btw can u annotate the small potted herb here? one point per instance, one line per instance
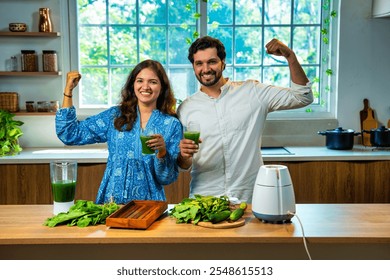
(9, 134)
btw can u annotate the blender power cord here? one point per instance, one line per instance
(303, 233)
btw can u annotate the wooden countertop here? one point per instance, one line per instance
(322, 223)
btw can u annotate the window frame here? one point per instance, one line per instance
(330, 113)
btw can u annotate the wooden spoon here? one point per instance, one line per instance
(368, 124)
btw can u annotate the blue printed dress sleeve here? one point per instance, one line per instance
(92, 130)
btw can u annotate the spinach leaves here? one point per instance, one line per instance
(199, 208)
(82, 214)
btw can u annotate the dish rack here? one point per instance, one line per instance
(9, 101)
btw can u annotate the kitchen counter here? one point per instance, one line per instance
(333, 231)
(91, 154)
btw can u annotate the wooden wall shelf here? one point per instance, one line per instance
(26, 74)
(25, 113)
(30, 34)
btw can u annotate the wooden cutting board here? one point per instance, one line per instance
(224, 224)
(364, 112)
(368, 124)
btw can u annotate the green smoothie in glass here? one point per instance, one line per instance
(63, 177)
(64, 191)
(146, 150)
(192, 135)
(192, 132)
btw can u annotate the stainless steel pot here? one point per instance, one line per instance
(379, 137)
(339, 138)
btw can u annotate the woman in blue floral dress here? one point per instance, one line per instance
(147, 104)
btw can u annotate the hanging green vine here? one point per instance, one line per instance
(329, 15)
(196, 16)
(326, 27)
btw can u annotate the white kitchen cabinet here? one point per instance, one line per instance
(381, 8)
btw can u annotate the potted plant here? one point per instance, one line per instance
(9, 134)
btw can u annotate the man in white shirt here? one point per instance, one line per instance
(232, 117)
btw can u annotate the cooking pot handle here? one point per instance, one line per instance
(366, 131)
(322, 132)
(357, 133)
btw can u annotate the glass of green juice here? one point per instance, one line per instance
(63, 177)
(145, 136)
(192, 132)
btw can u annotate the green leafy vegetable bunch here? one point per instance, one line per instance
(9, 134)
(83, 213)
(199, 208)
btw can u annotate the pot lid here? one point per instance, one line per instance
(381, 129)
(340, 130)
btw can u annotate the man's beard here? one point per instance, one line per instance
(212, 82)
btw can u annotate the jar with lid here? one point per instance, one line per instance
(30, 106)
(43, 106)
(49, 61)
(54, 106)
(29, 61)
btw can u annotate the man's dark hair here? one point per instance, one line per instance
(206, 42)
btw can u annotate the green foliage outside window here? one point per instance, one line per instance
(115, 35)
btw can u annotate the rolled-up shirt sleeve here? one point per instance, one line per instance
(280, 98)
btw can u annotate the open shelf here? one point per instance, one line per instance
(25, 113)
(30, 34)
(25, 74)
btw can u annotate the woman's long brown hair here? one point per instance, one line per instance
(128, 106)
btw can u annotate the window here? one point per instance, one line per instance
(115, 35)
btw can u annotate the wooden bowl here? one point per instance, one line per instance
(17, 27)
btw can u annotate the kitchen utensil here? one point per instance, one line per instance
(379, 137)
(273, 195)
(388, 123)
(339, 138)
(17, 27)
(63, 178)
(363, 113)
(368, 124)
(223, 224)
(138, 214)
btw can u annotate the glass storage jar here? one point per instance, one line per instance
(29, 61)
(49, 61)
(30, 106)
(43, 106)
(54, 106)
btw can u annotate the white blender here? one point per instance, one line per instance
(273, 195)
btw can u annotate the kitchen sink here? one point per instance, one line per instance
(275, 151)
